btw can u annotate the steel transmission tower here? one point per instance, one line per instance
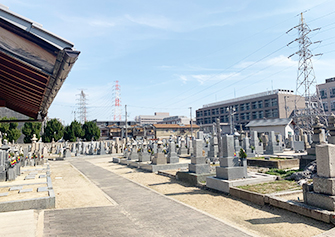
(306, 90)
(117, 101)
(82, 110)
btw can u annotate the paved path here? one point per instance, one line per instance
(140, 212)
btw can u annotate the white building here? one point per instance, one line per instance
(151, 119)
(176, 120)
(281, 126)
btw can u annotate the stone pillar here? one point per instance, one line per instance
(318, 136)
(231, 167)
(323, 194)
(172, 156)
(159, 157)
(144, 155)
(198, 161)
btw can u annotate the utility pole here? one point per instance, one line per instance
(191, 122)
(125, 108)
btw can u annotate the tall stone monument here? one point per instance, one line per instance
(198, 161)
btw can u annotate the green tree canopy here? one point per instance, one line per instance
(54, 129)
(73, 131)
(29, 129)
(91, 131)
(13, 133)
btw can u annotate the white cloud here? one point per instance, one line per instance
(159, 22)
(279, 61)
(203, 78)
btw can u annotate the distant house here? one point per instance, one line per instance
(166, 130)
(281, 126)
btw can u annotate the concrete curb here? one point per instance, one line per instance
(34, 203)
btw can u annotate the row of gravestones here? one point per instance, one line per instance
(231, 166)
(12, 159)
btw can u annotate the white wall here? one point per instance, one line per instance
(283, 130)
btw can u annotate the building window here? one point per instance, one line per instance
(254, 115)
(332, 92)
(260, 114)
(222, 110)
(268, 113)
(207, 121)
(235, 117)
(254, 105)
(247, 116)
(275, 113)
(215, 111)
(325, 106)
(242, 107)
(274, 102)
(242, 116)
(260, 104)
(235, 107)
(332, 105)
(323, 93)
(247, 106)
(266, 103)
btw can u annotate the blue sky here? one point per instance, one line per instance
(171, 55)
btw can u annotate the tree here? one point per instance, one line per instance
(13, 133)
(54, 129)
(29, 129)
(73, 131)
(91, 131)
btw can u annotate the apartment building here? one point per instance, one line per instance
(327, 94)
(272, 104)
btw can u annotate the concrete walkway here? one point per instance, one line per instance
(139, 212)
(18, 223)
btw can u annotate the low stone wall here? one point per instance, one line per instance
(253, 197)
(278, 164)
(36, 203)
(276, 201)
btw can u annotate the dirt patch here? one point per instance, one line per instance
(272, 187)
(72, 189)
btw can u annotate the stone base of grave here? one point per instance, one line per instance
(144, 157)
(67, 153)
(116, 160)
(224, 185)
(231, 173)
(183, 151)
(199, 168)
(102, 152)
(155, 168)
(135, 164)
(305, 160)
(133, 156)
(192, 178)
(11, 174)
(324, 185)
(125, 161)
(320, 200)
(173, 159)
(3, 176)
(159, 159)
